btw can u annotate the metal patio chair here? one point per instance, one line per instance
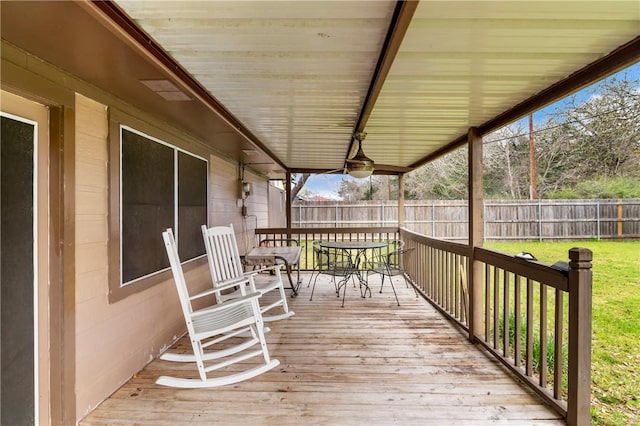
(393, 264)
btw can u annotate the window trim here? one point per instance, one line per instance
(117, 122)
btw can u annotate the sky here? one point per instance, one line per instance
(327, 185)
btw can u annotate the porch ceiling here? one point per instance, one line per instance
(294, 80)
(297, 73)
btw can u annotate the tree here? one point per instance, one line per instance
(506, 163)
(298, 182)
(351, 190)
(589, 142)
(605, 129)
(443, 178)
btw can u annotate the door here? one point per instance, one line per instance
(23, 261)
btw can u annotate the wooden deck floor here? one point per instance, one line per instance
(368, 363)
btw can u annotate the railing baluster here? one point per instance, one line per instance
(505, 316)
(496, 306)
(543, 336)
(529, 337)
(517, 350)
(447, 281)
(557, 346)
(457, 287)
(487, 302)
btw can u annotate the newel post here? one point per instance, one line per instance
(579, 374)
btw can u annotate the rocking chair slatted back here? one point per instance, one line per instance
(225, 265)
(224, 261)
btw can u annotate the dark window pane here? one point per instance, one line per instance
(192, 205)
(16, 272)
(147, 204)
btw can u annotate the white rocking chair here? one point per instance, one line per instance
(225, 265)
(214, 324)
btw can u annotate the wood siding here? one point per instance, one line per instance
(116, 340)
(113, 341)
(225, 198)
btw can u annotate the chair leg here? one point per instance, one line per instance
(381, 285)
(311, 278)
(406, 281)
(394, 291)
(314, 285)
(392, 287)
(344, 291)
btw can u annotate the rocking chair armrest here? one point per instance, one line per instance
(203, 294)
(227, 304)
(223, 285)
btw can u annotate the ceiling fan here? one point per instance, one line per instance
(360, 166)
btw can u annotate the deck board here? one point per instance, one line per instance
(371, 362)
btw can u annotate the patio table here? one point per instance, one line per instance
(288, 256)
(355, 253)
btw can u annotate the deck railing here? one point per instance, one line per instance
(306, 236)
(535, 318)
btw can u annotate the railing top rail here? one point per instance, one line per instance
(450, 246)
(358, 230)
(531, 269)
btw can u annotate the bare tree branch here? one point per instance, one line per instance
(302, 179)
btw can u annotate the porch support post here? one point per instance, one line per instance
(476, 232)
(579, 368)
(401, 200)
(288, 202)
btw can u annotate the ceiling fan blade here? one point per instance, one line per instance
(392, 169)
(329, 172)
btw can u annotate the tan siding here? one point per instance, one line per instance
(113, 341)
(225, 190)
(277, 207)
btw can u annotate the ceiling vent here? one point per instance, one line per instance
(166, 89)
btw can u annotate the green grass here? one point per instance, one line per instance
(615, 373)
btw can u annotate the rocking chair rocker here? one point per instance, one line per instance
(214, 324)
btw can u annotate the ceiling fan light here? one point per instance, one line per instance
(360, 166)
(360, 170)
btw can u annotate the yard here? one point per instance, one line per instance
(616, 323)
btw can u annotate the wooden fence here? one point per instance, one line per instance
(503, 220)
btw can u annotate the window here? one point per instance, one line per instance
(160, 186)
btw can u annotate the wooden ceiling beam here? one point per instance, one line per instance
(400, 21)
